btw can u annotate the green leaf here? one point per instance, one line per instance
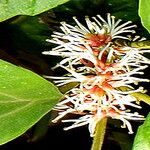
(144, 9)
(26, 7)
(142, 138)
(141, 97)
(65, 88)
(141, 44)
(138, 95)
(25, 98)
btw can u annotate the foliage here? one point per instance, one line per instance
(144, 10)
(28, 7)
(26, 97)
(142, 137)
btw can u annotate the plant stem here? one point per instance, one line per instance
(99, 134)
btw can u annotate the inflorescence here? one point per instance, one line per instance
(101, 68)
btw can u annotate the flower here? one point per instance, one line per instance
(79, 42)
(92, 109)
(101, 68)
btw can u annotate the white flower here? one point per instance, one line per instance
(101, 68)
(92, 109)
(77, 42)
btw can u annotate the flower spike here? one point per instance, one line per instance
(102, 68)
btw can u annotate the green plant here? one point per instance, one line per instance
(26, 97)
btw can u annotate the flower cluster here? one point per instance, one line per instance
(105, 71)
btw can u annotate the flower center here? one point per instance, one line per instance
(97, 40)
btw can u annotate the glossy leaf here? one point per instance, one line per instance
(26, 7)
(142, 138)
(25, 98)
(144, 9)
